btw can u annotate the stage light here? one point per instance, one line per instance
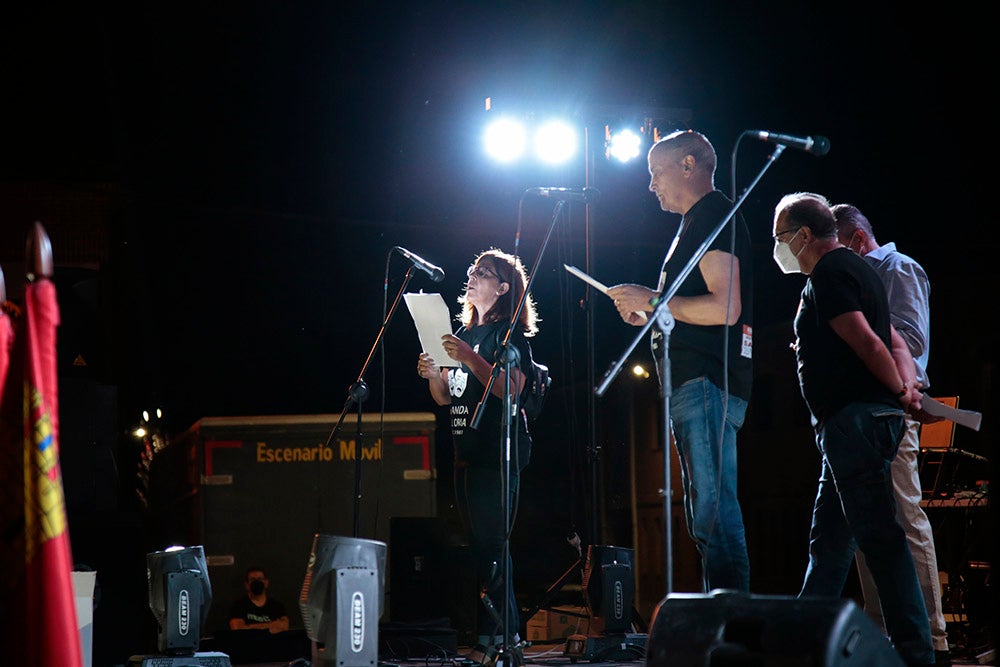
(624, 145)
(342, 599)
(505, 140)
(640, 372)
(180, 596)
(609, 586)
(629, 131)
(555, 142)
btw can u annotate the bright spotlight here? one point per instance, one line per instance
(624, 145)
(555, 142)
(640, 371)
(505, 140)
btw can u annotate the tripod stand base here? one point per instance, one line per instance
(204, 659)
(604, 648)
(497, 656)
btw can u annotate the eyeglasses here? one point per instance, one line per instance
(481, 272)
(777, 237)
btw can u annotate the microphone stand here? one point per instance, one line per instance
(357, 393)
(662, 317)
(510, 412)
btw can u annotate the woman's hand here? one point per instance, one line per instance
(457, 348)
(437, 379)
(426, 368)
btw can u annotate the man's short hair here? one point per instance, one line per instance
(689, 142)
(808, 209)
(850, 219)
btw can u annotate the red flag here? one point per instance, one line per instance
(6, 343)
(53, 638)
(12, 622)
(6, 335)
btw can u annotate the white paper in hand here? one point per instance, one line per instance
(593, 282)
(967, 418)
(431, 316)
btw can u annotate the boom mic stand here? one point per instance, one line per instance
(357, 393)
(662, 317)
(510, 654)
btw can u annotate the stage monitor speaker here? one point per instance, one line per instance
(418, 575)
(733, 628)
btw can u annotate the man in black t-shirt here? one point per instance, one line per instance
(857, 377)
(257, 611)
(710, 348)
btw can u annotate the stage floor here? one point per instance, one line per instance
(435, 645)
(552, 655)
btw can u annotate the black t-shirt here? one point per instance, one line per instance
(831, 375)
(251, 613)
(482, 447)
(696, 350)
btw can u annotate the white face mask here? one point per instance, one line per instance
(851, 243)
(787, 260)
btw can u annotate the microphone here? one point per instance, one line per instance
(968, 455)
(435, 272)
(585, 195)
(817, 145)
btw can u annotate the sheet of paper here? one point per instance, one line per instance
(431, 316)
(967, 418)
(599, 286)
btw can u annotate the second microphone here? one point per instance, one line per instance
(435, 272)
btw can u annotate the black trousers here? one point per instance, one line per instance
(479, 500)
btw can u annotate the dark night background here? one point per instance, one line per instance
(223, 182)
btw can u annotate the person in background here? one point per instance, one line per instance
(858, 378)
(710, 348)
(258, 610)
(496, 282)
(908, 290)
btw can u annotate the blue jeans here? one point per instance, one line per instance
(855, 509)
(707, 452)
(479, 499)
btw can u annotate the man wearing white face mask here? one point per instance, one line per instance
(857, 377)
(908, 290)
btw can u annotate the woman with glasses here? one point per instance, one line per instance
(496, 281)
